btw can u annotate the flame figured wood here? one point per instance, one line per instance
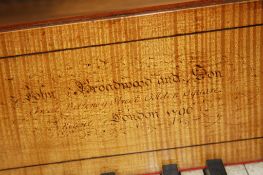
(151, 162)
(128, 28)
(143, 102)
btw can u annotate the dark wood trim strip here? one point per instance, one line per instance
(114, 14)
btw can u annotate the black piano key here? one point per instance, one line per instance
(170, 169)
(110, 173)
(215, 167)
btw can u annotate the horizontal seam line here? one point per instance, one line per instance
(130, 41)
(131, 153)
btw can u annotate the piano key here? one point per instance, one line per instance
(193, 172)
(254, 168)
(215, 167)
(236, 170)
(110, 173)
(207, 172)
(170, 169)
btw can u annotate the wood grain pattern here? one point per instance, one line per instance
(126, 91)
(142, 163)
(127, 28)
(14, 13)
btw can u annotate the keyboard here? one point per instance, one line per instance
(213, 167)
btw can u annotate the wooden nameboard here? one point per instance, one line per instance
(128, 94)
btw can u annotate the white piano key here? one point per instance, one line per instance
(193, 172)
(236, 170)
(254, 168)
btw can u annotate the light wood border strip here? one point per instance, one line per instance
(130, 28)
(151, 162)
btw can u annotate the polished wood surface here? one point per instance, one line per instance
(15, 11)
(15, 14)
(136, 27)
(128, 94)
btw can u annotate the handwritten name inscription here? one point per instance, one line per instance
(83, 87)
(87, 104)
